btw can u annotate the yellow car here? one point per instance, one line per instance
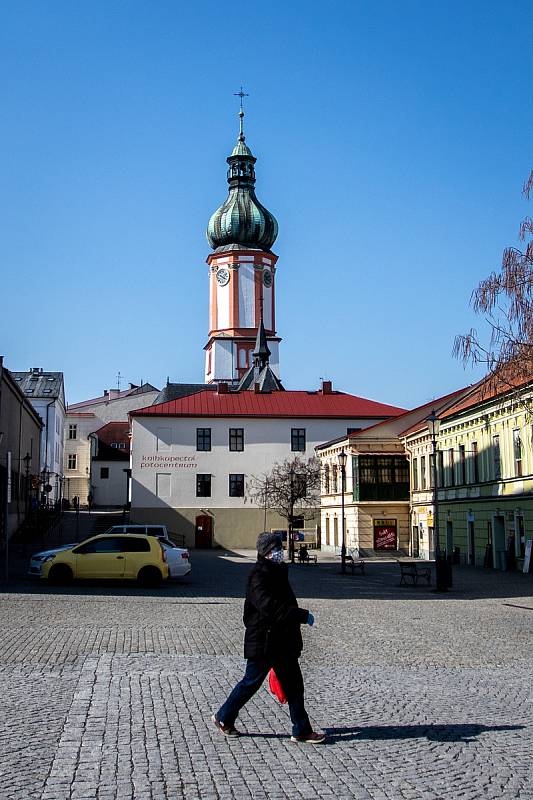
(125, 556)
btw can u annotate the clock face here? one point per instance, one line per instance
(267, 278)
(223, 276)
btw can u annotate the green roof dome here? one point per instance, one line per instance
(241, 219)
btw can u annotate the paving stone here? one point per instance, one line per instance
(107, 692)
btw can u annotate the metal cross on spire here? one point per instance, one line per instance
(242, 94)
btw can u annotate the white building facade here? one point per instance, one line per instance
(193, 459)
(84, 419)
(46, 392)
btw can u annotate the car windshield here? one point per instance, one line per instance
(167, 545)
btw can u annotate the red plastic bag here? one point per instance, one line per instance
(275, 686)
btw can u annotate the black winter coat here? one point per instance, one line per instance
(271, 614)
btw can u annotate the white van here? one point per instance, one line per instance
(159, 531)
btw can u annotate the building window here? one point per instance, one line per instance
(114, 444)
(104, 473)
(162, 484)
(203, 439)
(496, 460)
(415, 474)
(236, 439)
(72, 461)
(298, 440)
(451, 467)
(440, 468)
(236, 485)
(381, 478)
(203, 486)
(327, 531)
(462, 464)
(423, 480)
(431, 463)
(121, 445)
(326, 484)
(334, 484)
(517, 453)
(475, 463)
(72, 431)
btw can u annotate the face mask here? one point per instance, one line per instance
(277, 556)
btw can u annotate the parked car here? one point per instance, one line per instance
(37, 559)
(159, 531)
(120, 557)
(178, 559)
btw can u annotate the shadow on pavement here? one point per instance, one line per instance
(433, 733)
(223, 574)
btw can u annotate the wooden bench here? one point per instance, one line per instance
(354, 563)
(411, 572)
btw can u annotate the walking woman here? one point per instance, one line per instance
(272, 640)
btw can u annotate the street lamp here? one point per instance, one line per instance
(342, 463)
(440, 566)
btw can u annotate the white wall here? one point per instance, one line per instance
(51, 452)
(110, 491)
(266, 441)
(246, 277)
(222, 360)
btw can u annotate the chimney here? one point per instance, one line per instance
(222, 387)
(105, 392)
(257, 388)
(113, 394)
(326, 387)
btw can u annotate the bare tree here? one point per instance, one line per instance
(506, 300)
(292, 488)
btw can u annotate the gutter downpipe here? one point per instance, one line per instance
(45, 467)
(409, 456)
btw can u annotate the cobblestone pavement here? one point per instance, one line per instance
(106, 691)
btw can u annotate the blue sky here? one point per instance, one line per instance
(392, 142)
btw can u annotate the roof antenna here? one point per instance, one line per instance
(119, 378)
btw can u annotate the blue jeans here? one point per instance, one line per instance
(290, 677)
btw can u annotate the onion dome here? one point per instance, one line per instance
(242, 220)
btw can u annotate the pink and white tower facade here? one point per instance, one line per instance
(242, 274)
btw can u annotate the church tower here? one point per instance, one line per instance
(242, 274)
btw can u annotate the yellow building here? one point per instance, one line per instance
(484, 467)
(369, 498)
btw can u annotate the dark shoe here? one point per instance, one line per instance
(227, 730)
(309, 738)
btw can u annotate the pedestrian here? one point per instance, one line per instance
(272, 639)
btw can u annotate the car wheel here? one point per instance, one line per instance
(149, 576)
(60, 575)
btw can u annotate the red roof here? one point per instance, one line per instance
(492, 386)
(277, 404)
(438, 405)
(114, 432)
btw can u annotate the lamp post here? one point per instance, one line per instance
(342, 463)
(441, 581)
